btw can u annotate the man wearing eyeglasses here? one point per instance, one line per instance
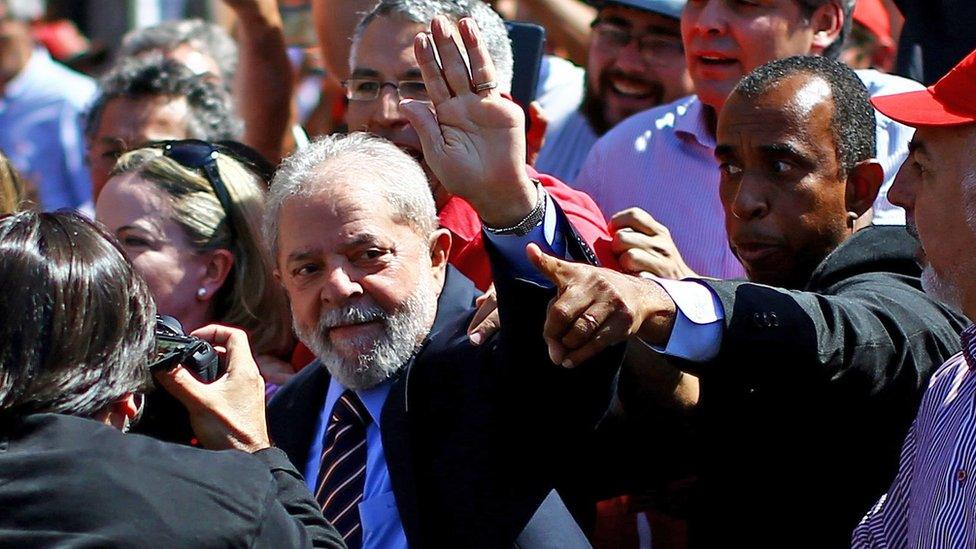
(635, 62)
(384, 71)
(662, 161)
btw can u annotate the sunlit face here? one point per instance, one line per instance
(726, 39)
(127, 124)
(362, 283)
(385, 52)
(781, 186)
(623, 79)
(141, 218)
(937, 187)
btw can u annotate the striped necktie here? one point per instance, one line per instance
(342, 469)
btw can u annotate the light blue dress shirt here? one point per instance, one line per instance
(41, 131)
(382, 528)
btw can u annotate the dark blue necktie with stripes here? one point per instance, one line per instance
(342, 469)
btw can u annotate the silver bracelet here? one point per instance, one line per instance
(528, 222)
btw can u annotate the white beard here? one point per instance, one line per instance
(940, 289)
(404, 330)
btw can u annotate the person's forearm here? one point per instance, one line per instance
(264, 82)
(648, 379)
(568, 21)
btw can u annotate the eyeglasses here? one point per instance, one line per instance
(368, 89)
(195, 155)
(655, 49)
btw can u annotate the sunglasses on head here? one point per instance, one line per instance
(196, 154)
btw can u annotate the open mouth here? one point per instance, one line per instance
(711, 60)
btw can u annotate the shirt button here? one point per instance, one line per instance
(961, 475)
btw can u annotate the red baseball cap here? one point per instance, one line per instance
(949, 102)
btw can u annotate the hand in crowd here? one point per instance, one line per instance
(597, 307)
(642, 245)
(228, 413)
(486, 320)
(473, 141)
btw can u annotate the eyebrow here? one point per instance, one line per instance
(722, 151)
(917, 147)
(409, 74)
(782, 149)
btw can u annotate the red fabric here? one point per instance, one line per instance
(873, 15)
(301, 356)
(468, 250)
(948, 102)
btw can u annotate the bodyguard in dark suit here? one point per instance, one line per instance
(409, 433)
(808, 383)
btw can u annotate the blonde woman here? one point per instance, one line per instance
(188, 214)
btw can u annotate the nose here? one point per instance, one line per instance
(749, 202)
(386, 112)
(708, 18)
(902, 191)
(339, 286)
(629, 58)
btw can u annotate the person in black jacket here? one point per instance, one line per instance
(75, 346)
(807, 384)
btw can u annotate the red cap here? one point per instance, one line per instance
(873, 15)
(949, 102)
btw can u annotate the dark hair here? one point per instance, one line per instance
(212, 115)
(852, 123)
(809, 6)
(78, 326)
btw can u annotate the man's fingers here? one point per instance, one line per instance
(452, 63)
(614, 330)
(628, 238)
(426, 126)
(638, 220)
(481, 330)
(180, 383)
(586, 325)
(430, 71)
(551, 267)
(233, 340)
(482, 68)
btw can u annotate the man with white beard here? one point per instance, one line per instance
(408, 433)
(931, 502)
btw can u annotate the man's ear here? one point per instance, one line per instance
(440, 249)
(218, 267)
(827, 22)
(863, 183)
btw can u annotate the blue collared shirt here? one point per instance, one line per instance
(41, 131)
(382, 528)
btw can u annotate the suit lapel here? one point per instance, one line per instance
(294, 411)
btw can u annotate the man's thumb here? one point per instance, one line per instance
(550, 266)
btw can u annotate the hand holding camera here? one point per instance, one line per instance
(228, 412)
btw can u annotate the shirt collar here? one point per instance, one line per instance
(373, 398)
(690, 121)
(19, 83)
(968, 339)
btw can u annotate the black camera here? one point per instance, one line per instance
(164, 417)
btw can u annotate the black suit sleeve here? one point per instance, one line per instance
(874, 332)
(293, 518)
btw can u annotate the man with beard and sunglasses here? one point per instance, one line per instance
(635, 62)
(407, 431)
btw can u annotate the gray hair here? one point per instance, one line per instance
(423, 11)
(211, 115)
(333, 160)
(205, 37)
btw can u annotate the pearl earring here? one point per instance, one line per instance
(201, 293)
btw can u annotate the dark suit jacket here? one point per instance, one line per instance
(475, 437)
(805, 408)
(68, 481)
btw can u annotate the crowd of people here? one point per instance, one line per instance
(708, 287)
